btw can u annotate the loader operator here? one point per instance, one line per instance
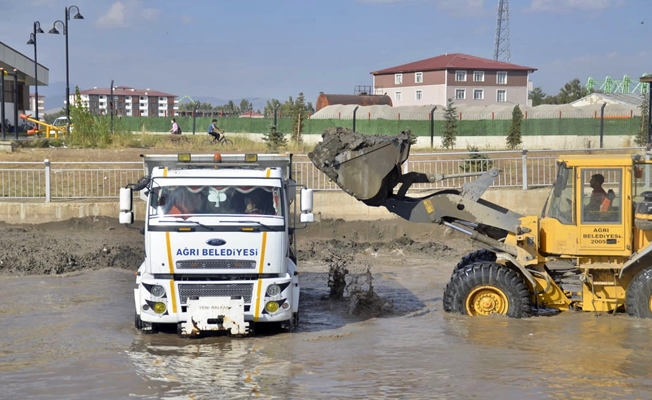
(600, 201)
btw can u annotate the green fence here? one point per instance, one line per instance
(530, 127)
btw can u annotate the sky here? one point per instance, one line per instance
(261, 49)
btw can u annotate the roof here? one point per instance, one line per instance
(11, 59)
(602, 160)
(127, 91)
(628, 99)
(454, 61)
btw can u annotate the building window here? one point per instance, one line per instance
(398, 96)
(460, 76)
(501, 96)
(478, 76)
(398, 79)
(418, 77)
(418, 95)
(478, 94)
(501, 77)
(460, 94)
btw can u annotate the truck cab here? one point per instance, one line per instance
(218, 254)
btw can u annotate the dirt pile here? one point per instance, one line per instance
(94, 243)
(71, 246)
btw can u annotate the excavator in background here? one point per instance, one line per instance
(574, 256)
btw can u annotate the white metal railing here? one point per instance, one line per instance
(103, 180)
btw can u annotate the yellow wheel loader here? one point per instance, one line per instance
(590, 249)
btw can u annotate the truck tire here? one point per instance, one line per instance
(476, 256)
(138, 323)
(639, 295)
(487, 288)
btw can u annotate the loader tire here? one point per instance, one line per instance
(474, 257)
(638, 300)
(487, 288)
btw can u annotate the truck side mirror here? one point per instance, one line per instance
(126, 206)
(306, 206)
(306, 200)
(126, 199)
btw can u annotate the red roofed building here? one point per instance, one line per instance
(465, 79)
(128, 101)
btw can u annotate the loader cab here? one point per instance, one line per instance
(589, 209)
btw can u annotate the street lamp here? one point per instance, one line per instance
(65, 33)
(647, 78)
(32, 40)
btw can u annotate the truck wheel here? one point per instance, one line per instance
(139, 324)
(476, 256)
(639, 295)
(487, 288)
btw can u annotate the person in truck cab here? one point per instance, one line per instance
(257, 202)
(187, 200)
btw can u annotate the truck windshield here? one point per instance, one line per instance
(560, 202)
(216, 200)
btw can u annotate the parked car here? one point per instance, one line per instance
(61, 123)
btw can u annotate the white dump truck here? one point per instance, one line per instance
(219, 233)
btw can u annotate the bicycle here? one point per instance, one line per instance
(222, 141)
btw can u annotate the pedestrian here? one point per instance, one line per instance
(175, 127)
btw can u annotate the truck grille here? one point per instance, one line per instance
(234, 290)
(216, 264)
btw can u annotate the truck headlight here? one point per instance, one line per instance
(157, 291)
(273, 290)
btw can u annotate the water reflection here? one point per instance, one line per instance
(209, 368)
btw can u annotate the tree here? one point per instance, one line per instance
(299, 116)
(245, 105)
(641, 135)
(450, 126)
(274, 139)
(570, 92)
(270, 106)
(514, 134)
(537, 96)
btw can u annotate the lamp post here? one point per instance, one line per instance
(647, 78)
(54, 30)
(32, 40)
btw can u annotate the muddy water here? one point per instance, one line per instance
(73, 338)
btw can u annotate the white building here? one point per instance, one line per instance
(128, 101)
(466, 79)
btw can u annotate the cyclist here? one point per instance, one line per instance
(214, 131)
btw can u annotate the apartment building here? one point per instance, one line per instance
(128, 101)
(466, 79)
(33, 102)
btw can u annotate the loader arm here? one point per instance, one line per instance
(369, 169)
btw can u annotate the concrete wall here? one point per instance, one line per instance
(327, 205)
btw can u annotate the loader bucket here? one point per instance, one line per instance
(366, 167)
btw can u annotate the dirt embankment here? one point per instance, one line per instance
(93, 243)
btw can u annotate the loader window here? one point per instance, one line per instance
(560, 201)
(600, 193)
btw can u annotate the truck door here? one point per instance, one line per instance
(600, 211)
